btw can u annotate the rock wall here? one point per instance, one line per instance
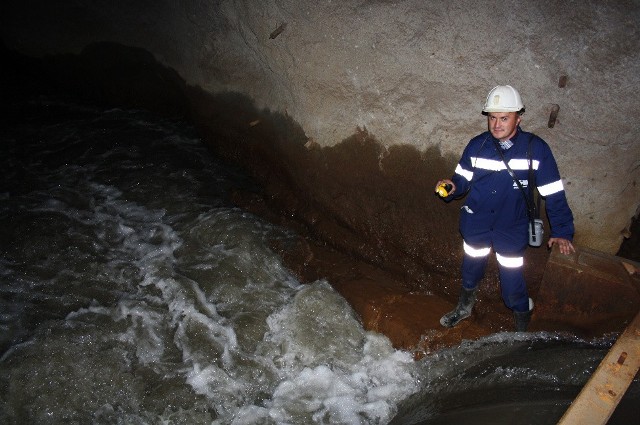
(410, 72)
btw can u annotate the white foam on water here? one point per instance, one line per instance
(365, 392)
(319, 365)
(174, 308)
(330, 369)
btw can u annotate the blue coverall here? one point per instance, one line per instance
(495, 211)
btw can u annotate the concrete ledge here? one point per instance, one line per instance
(589, 293)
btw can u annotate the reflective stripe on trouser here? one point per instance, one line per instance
(473, 264)
(512, 284)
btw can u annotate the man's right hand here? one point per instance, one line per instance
(446, 181)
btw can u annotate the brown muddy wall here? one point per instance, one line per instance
(411, 72)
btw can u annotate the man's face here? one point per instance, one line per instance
(503, 125)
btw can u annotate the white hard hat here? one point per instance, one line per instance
(503, 99)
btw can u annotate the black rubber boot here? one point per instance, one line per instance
(463, 309)
(522, 318)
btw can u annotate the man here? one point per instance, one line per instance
(495, 211)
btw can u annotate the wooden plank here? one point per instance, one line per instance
(599, 397)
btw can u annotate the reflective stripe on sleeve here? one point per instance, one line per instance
(510, 262)
(551, 188)
(468, 175)
(475, 252)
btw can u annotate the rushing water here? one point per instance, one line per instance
(133, 292)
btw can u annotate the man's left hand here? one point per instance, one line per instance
(565, 245)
